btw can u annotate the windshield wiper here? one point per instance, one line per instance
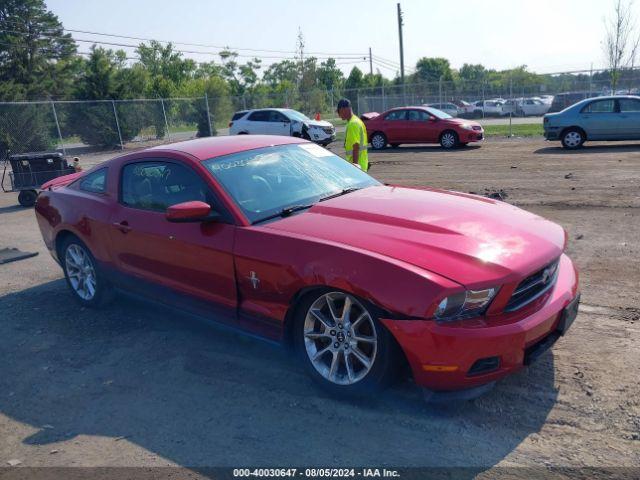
(285, 212)
(344, 191)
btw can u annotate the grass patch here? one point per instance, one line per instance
(519, 130)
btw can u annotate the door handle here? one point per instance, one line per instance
(123, 226)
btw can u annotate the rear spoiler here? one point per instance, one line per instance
(368, 116)
(61, 181)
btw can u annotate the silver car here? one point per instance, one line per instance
(600, 118)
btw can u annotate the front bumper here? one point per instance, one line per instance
(441, 356)
(471, 135)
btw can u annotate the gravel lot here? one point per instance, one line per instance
(136, 385)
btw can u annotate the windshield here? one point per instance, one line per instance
(437, 113)
(268, 180)
(296, 115)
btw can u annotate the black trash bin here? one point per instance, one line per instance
(30, 170)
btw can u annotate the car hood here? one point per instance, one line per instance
(319, 123)
(460, 121)
(472, 240)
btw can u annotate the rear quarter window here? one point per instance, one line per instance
(238, 115)
(94, 182)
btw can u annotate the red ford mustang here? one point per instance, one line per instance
(281, 238)
(421, 125)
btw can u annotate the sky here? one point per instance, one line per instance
(546, 35)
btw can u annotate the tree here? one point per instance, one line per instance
(106, 77)
(37, 59)
(621, 40)
(354, 80)
(240, 77)
(166, 67)
(472, 73)
(433, 69)
(329, 75)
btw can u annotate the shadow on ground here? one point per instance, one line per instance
(201, 396)
(588, 149)
(403, 149)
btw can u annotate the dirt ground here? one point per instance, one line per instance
(135, 385)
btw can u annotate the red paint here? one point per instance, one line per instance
(187, 211)
(406, 131)
(402, 249)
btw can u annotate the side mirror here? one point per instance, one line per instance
(195, 211)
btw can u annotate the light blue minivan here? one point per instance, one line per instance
(600, 118)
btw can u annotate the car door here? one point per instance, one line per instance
(194, 259)
(258, 122)
(629, 118)
(395, 126)
(600, 120)
(279, 124)
(422, 127)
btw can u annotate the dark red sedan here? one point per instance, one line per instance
(281, 238)
(421, 125)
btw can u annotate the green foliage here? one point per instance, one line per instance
(36, 57)
(26, 127)
(354, 80)
(433, 69)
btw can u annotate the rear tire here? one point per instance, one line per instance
(343, 345)
(378, 141)
(449, 139)
(83, 276)
(27, 198)
(573, 138)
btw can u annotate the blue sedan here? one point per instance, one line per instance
(600, 118)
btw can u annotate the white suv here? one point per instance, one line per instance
(281, 121)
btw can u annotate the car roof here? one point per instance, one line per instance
(210, 147)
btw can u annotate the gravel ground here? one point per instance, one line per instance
(137, 385)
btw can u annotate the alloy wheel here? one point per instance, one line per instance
(448, 140)
(378, 141)
(80, 271)
(340, 338)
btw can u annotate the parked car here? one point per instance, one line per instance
(602, 118)
(487, 108)
(464, 108)
(421, 125)
(281, 121)
(525, 107)
(281, 238)
(448, 108)
(564, 100)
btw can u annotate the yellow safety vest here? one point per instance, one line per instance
(357, 133)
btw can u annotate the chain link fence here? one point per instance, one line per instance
(82, 126)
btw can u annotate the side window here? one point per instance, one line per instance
(599, 106)
(238, 115)
(396, 115)
(276, 116)
(629, 105)
(95, 182)
(259, 116)
(417, 116)
(158, 185)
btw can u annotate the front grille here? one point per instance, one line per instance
(484, 365)
(533, 286)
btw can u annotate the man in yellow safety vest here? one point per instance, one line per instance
(355, 139)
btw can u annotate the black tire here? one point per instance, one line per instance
(27, 198)
(103, 291)
(573, 138)
(378, 141)
(449, 139)
(386, 359)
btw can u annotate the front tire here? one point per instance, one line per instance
(449, 139)
(343, 345)
(378, 141)
(573, 138)
(82, 274)
(27, 198)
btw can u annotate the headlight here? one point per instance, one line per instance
(467, 126)
(465, 304)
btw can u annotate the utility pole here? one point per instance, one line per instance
(401, 47)
(370, 62)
